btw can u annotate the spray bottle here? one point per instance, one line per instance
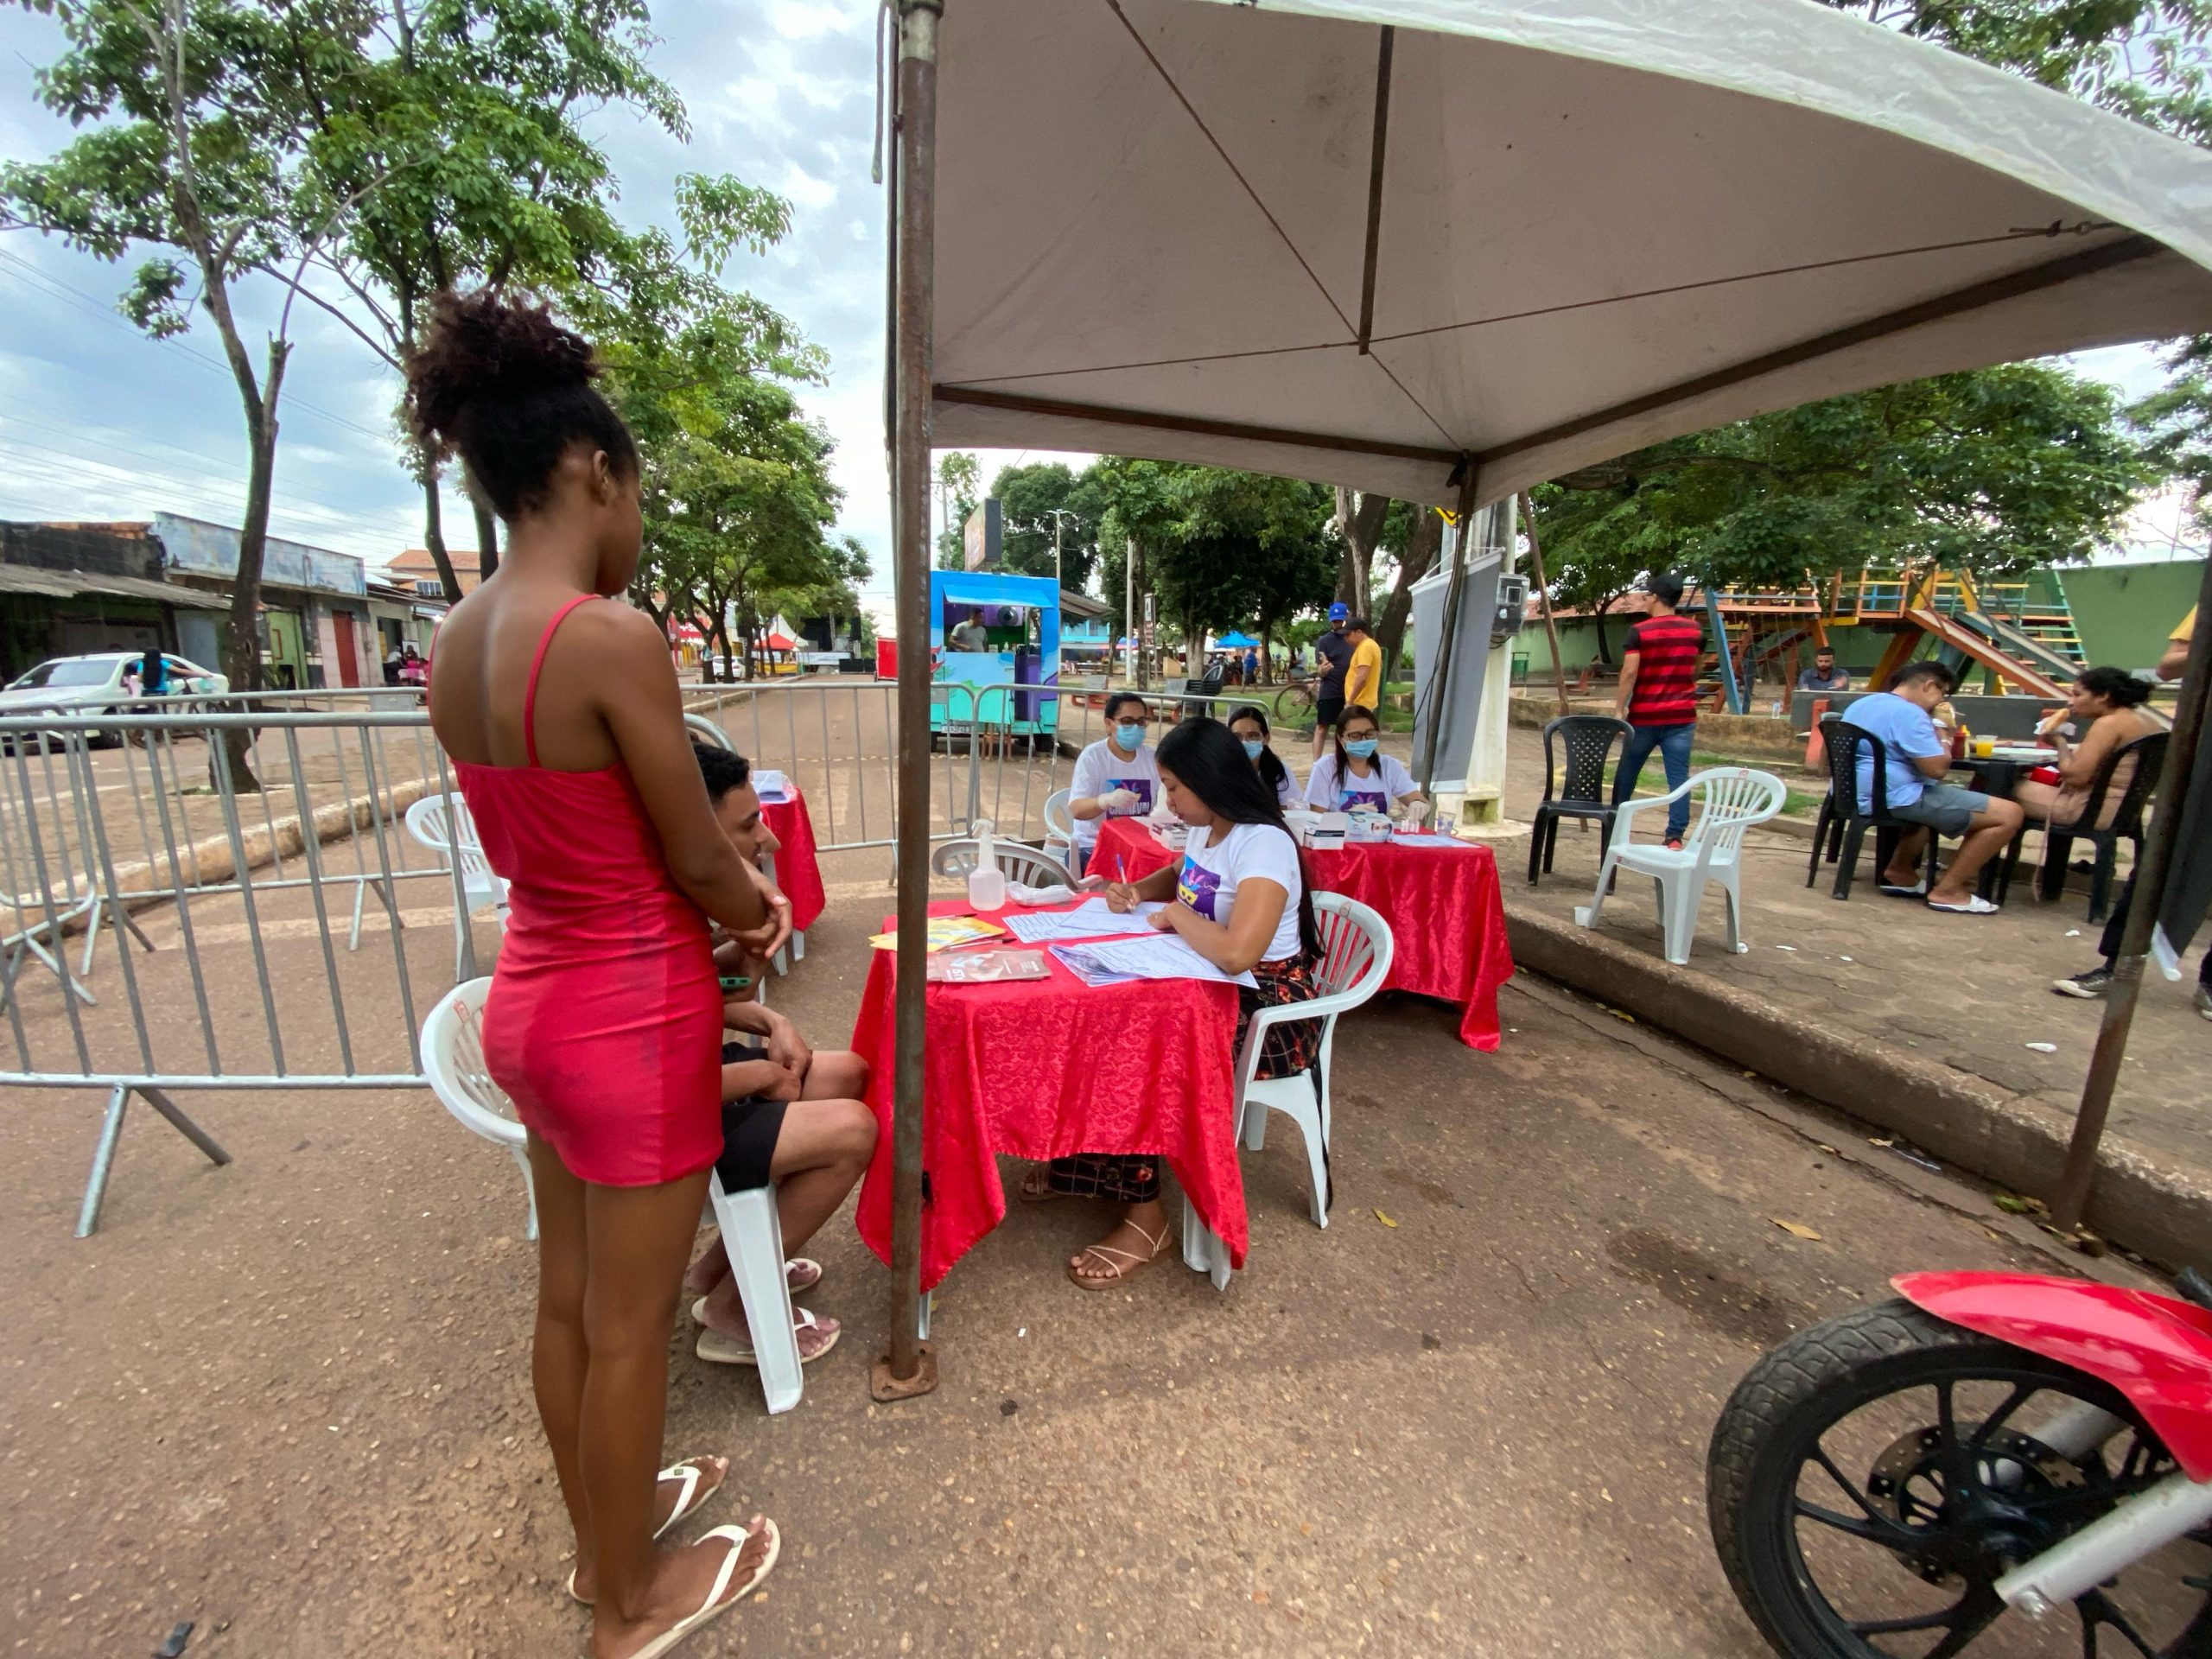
(986, 882)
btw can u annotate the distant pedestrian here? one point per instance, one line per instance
(154, 673)
(1363, 677)
(1334, 650)
(1658, 697)
(1824, 675)
(1252, 667)
(393, 659)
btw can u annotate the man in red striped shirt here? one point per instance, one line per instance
(1658, 697)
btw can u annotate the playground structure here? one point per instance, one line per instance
(2020, 634)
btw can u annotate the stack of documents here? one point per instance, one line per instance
(1155, 955)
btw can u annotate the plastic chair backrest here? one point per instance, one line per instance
(1843, 740)
(453, 1060)
(437, 822)
(1588, 740)
(1357, 946)
(1023, 864)
(2150, 752)
(1059, 822)
(1735, 798)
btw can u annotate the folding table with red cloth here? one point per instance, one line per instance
(1447, 913)
(796, 873)
(1046, 1068)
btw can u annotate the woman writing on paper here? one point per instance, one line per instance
(1248, 726)
(1240, 900)
(1357, 777)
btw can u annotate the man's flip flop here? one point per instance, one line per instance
(688, 1502)
(1976, 906)
(1917, 890)
(719, 1350)
(725, 1593)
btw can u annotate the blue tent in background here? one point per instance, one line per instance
(1236, 641)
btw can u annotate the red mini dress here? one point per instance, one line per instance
(604, 1023)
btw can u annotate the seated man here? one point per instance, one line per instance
(790, 1117)
(1915, 758)
(1824, 675)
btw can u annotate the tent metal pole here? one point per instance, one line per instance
(1447, 636)
(910, 1367)
(1376, 165)
(2072, 1198)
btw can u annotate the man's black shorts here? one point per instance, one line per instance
(1327, 708)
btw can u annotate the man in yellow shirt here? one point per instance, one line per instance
(1363, 677)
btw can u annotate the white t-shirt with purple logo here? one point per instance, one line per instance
(1211, 873)
(1324, 793)
(1100, 770)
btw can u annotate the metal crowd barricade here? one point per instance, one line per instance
(240, 918)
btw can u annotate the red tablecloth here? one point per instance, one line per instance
(1446, 913)
(796, 873)
(1045, 1068)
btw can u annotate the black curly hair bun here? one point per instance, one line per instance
(502, 384)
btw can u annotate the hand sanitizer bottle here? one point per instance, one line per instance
(986, 882)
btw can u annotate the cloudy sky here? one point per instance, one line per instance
(101, 422)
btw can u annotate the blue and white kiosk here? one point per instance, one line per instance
(990, 632)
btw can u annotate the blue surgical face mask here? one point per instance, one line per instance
(1361, 748)
(1129, 736)
(1252, 747)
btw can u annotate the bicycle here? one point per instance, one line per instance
(1295, 703)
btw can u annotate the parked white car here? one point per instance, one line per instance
(94, 684)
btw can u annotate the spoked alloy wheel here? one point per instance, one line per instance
(1872, 1478)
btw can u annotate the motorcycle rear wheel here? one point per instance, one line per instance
(1939, 1513)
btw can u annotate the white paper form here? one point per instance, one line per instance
(1090, 921)
(1156, 955)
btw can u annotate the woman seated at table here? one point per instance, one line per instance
(1357, 777)
(1240, 900)
(793, 1117)
(1248, 726)
(2106, 709)
(1116, 777)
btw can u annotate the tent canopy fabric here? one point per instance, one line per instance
(1236, 641)
(1370, 241)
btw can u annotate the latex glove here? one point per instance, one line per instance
(1120, 800)
(1416, 813)
(1022, 894)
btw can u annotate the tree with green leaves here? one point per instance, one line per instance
(2176, 422)
(1994, 472)
(1044, 507)
(959, 481)
(200, 119)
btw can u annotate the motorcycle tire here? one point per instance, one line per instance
(1792, 1396)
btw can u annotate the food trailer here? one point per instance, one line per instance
(990, 636)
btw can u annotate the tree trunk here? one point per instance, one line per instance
(1359, 522)
(241, 635)
(487, 541)
(433, 531)
(1597, 622)
(1416, 562)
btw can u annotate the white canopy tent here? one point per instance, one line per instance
(1447, 249)
(1564, 228)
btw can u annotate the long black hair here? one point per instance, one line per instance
(1208, 761)
(1356, 711)
(1273, 773)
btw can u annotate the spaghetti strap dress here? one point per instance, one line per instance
(604, 1022)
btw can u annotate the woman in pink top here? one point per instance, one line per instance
(604, 1021)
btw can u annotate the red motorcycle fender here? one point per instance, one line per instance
(2155, 1350)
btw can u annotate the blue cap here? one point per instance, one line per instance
(1338, 612)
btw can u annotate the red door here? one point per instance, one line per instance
(349, 656)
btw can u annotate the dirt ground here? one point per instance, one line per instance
(288, 1400)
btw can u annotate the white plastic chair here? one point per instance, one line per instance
(1019, 863)
(440, 823)
(1736, 798)
(453, 1060)
(1059, 828)
(1356, 948)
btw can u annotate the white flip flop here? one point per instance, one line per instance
(722, 1597)
(688, 1502)
(1974, 906)
(719, 1350)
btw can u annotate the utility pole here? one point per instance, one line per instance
(1129, 614)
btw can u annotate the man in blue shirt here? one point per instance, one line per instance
(1915, 758)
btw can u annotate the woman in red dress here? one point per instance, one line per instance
(604, 1021)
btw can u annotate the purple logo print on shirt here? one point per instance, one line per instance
(1139, 787)
(1198, 887)
(1350, 800)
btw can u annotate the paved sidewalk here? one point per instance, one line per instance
(1970, 995)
